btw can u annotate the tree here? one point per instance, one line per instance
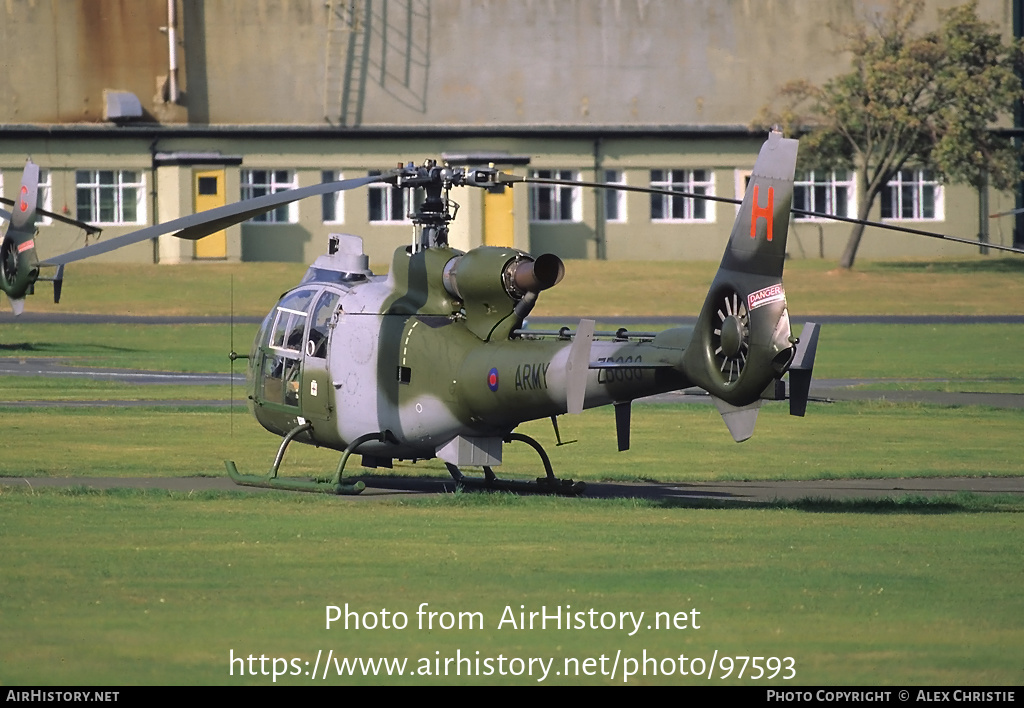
(929, 100)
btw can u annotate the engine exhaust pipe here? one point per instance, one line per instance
(537, 275)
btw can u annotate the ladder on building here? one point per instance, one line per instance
(345, 60)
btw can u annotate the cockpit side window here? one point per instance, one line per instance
(290, 322)
(318, 328)
(288, 330)
(280, 364)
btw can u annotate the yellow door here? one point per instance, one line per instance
(208, 188)
(498, 218)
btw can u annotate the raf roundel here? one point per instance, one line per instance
(492, 379)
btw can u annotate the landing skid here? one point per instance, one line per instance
(543, 485)
(334, 485)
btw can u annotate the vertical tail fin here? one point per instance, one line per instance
(757, 245)
(24, 215)
(742, 341)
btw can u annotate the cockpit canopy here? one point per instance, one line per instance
(296, 330)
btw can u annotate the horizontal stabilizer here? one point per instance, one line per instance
(739, 420)
(88, 228)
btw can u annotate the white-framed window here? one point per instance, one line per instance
(741, 180)
(555, 202)
(913, 195)
(665, 207)
(259, 183)
(332, 206)
(615, 199)
(826, 193)
(387, 203)
(110, 196)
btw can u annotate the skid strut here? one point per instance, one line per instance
(548, 484)
(332, 486)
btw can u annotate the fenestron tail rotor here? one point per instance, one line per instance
(730, 335)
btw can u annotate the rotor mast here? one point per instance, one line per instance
(431, 207)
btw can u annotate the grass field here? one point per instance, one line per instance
(669, 443)
(970, 285)
(131, 587)
(161, 588)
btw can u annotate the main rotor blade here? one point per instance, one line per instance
(507, 178)
(195, 226)
(908, 230)
(1006, 213)
(88, 228)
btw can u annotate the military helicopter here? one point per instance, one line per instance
(18, 262)
(433, 359)
(19, 265)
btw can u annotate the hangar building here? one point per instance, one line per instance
(141, 111)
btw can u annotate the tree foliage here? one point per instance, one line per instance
(928, 99)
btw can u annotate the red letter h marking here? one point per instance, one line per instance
(765, 212)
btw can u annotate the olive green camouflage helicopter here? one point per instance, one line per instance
(19, 266)
(433, 360)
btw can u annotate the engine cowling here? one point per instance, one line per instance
(492, 281)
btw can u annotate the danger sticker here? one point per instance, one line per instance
(765, 296)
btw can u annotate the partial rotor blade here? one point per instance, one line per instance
(905, 229)
(205, 223)
(505, 178)
(1006, 213)
(88, 228)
